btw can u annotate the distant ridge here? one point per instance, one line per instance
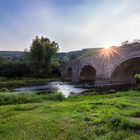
(62, 56)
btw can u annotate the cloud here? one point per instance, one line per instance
(73, 25)
(112, 24)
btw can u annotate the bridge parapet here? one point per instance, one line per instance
(127, 55)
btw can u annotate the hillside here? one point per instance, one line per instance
(62, 56)
(80, 54)
(12, 54)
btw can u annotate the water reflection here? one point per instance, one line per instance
(63, 87)
(67, 89)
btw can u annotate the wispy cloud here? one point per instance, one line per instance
(74, 25)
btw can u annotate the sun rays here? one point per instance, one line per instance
(107, 47)
(108, 53)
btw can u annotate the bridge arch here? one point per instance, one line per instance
(120, 68)
(87, 73)
(125, 70)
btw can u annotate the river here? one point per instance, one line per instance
(64, 87)
(68, 89)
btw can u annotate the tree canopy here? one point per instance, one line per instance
(42, 54)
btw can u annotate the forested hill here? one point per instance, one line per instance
(62, 56)
(12, 54)
(76, 55)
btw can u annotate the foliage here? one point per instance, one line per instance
(55, 67)
(14, 69)
(39, 62)
(76, 55)
(61, 57)
(99, 117)
(42, 51)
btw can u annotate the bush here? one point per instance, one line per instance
(13, 69)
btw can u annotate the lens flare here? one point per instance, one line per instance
(107, 47)
(108, 53)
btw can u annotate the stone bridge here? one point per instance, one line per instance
(108, 66)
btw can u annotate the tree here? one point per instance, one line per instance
(42, 52)
(125, 42)
(14, 69)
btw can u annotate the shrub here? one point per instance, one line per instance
(13, 69)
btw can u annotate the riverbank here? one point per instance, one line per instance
(14, 83)
(108, 117)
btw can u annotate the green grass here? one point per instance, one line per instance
(90, 117)
(11, 83)
(9, 98)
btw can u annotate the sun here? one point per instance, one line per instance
(107, 47)
(108, 52)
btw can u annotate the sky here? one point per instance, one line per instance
(74, 24)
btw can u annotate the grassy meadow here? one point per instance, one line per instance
(53, 117)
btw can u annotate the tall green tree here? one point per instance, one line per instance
(42, 52)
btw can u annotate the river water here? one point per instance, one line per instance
(67, 88)
(64, 87)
